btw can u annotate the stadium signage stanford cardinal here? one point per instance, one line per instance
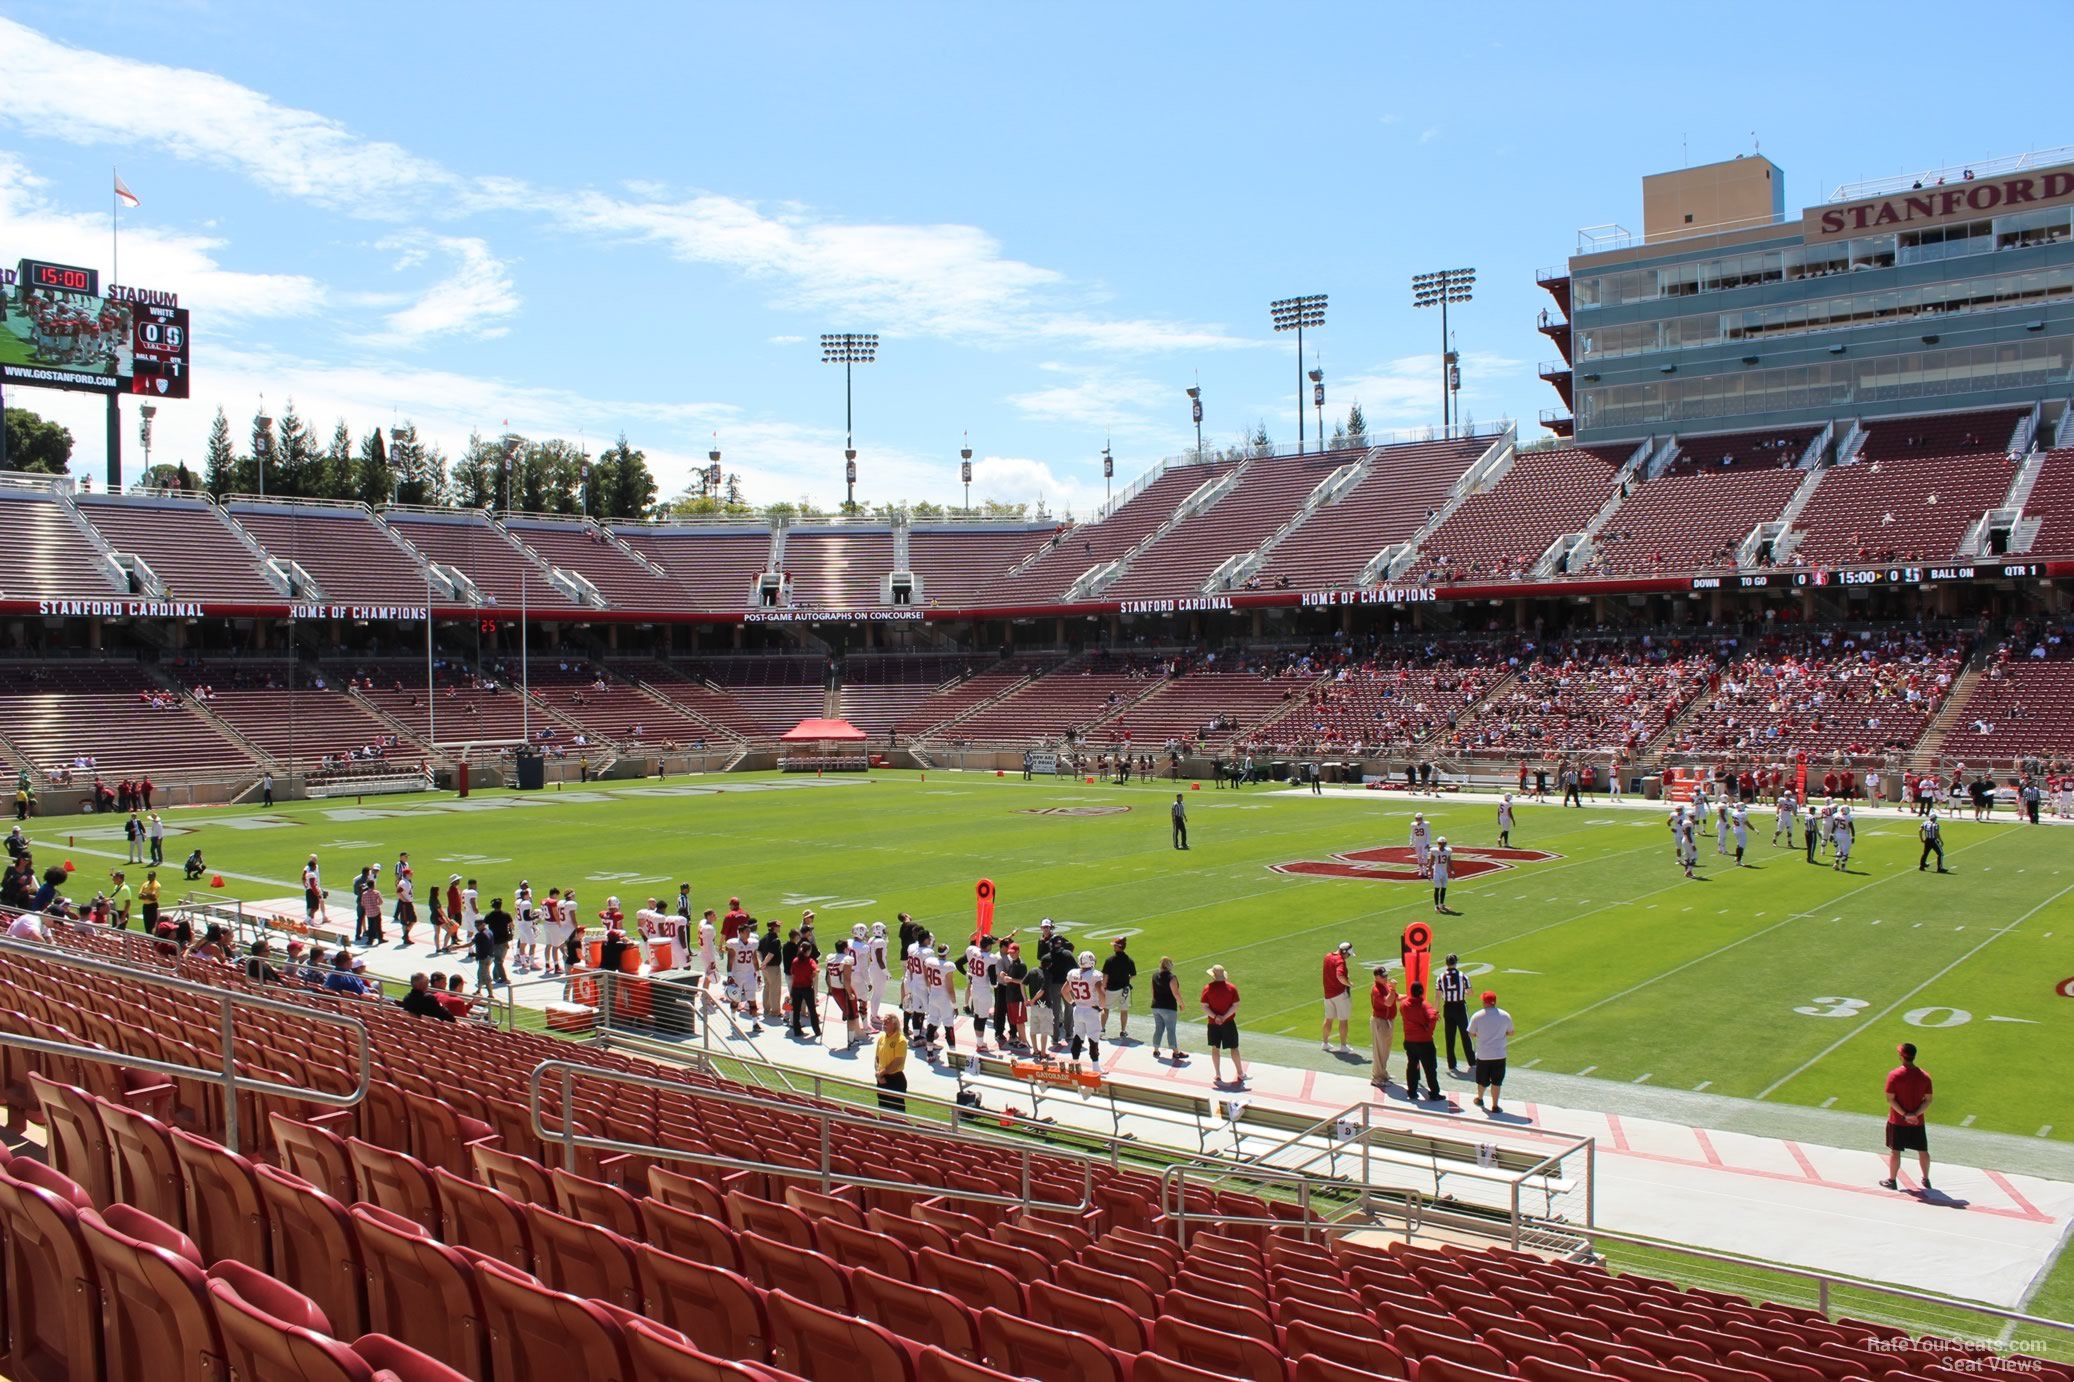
(1400, 863)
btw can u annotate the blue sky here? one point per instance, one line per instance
(641, 217)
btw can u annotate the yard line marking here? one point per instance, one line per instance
(1532, 1063)
(1873, 1020)
(2044, 1130)
(1830, 1100)
(1967, 1121)
(2002, 1183)
(1807, 1168)
(1588, 1069)
(1642, 1078)
(1706, 1147)
(1701, 1087)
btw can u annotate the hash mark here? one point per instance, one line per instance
(1967, 1121)
(1830, 1100)
(1588, 1069)
(1642, 1078)
(1701, 1087)
(2044, 1130)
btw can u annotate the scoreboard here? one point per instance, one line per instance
(61, 329)
(159, 353)
(1862, 577)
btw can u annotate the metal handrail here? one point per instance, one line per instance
(570, 1139)
(228, 1077)
(1824, 1281)
(1173, 1203)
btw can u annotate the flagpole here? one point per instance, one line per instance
(114, 227)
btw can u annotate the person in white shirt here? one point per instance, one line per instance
(1688, 845)
(1841, 834)
(312, 891)
(647, 926)
(526, 923)
(1721, 828)
(841, 974)
(860, 962)
(1490, 1030)
(1740, 823)
(914, 986)
(979, 988)
(27, 927)
(1505, 820)
(1443, 860)
(1613, 779)
(1085, 991)
(877, 969)
(1422, 842)
(469, 910)
(1783, 822)
(709, 951)
(940, 976)
(744, 973)
(406, 903)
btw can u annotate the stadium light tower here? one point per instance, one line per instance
(395, 462)
(1438, 289)
(1294, 314)
(1318, 401)
(965, 471)
(1108, 476)
(263, 444)
(148, 411)
(1195, 406)
(847, 348)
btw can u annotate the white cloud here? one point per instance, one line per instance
(786, 340)
(151, 257)
(1429, 134)
(470, 298)
(84, 97)
(1403, 394)
(1103, 398)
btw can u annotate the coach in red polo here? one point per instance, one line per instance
(1908, 1100)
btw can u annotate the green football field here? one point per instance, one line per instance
(1780, 982)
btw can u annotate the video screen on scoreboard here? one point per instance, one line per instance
(57, 331)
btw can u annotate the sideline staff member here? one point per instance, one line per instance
(1452, 988)
(1908, 1099)
(1491, 1030)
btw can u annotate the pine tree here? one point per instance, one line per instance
(1357, 426)
(476, 475)
(336, 470)
(220, 469)
(373, 481)
(297, 457)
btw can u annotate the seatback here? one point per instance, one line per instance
(684, 1192)
(318, 1155)
(78, 1143)
(542, 1335)
(53, 1291)
(156, 1321)
(664, 1355)
(697, 1236)
(595, 1202)
(919, 1314)
(1214, 1351)
(1097, 1317)
(421, 1290)
(711, 1304)
(225, 1212)
(975, 1283)
(262, 1345)
(481, 1218)
(315, 1248)
(396, 1182)
(520, 1177)
(1022, 1348)
(146, 1173)
(812, 1342)
(861, 1247)
(591, 1262)
(808, 1275)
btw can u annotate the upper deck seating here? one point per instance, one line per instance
(1267, 494)
(186, 544)
(341, 546)
(1502, 532)
(1912, 510)
(2052, 502)
(838, 567)
(471, 544)
(715, 567)
(956, 562)
(1948, 434)
(1070, 553)
(1404, 486)
(580, 548)
(1691, 522)
(46, 554)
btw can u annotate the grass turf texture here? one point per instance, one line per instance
(1608, 958)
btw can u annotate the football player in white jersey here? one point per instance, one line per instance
(743, 973)
(1721, 827)
(914, 985)
(1443, 865)
(1842, 834)
(1688, 844)
(979, 987)
(877, 969)
(841, 974)
(941, 976)
(1784, 820)
(709, 950)
(528, 927)
(1740, 823)
(1422, 842)
(1505, 820)
(1085, 991)
(860, 971)
(646, 927)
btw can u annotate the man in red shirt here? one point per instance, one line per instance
(1339, 996)
(734, 921)
(1418, 1018)
(1908, 1099)
(804, 1006)
(1220, 1000)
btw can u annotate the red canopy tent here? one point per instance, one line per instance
(823, 732)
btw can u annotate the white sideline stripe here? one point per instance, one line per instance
(1836, 1045)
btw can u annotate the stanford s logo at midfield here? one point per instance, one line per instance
(1400, 863)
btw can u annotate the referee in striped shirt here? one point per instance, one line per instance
(1453, 987)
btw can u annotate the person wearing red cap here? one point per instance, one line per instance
(1489, 1032)
(1908, 1099)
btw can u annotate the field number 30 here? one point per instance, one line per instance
(1914, 1017)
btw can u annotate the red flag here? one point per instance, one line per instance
(984, 894)
(124, 194)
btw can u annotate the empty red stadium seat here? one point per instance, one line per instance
(78, 1144)
(1363, 1351)
(480, 1218)
(916, 1313)
(1216, 1351)
(397, 1182)
(660, 1354)
(421, 1290)
(818, 1343)
(315, 1249)
(542, 1335)
(976, 1283)
(226, 1213)
(53, 1290)
(697, 1236)
(708, 1303)
(584, 1260)
(810, 1276)
(147, 1171)
(319, 1155)
(156, 1321)
(860, 1247)
(1023, 1348)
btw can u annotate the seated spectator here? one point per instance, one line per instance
(421, 1002)
(214, 946)
(343, 977)
(27, 927)
(257, 965)
(447, 989)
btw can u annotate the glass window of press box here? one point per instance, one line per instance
(1929, 376)
(2019, 230)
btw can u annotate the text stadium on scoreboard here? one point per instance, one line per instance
(58, 330)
